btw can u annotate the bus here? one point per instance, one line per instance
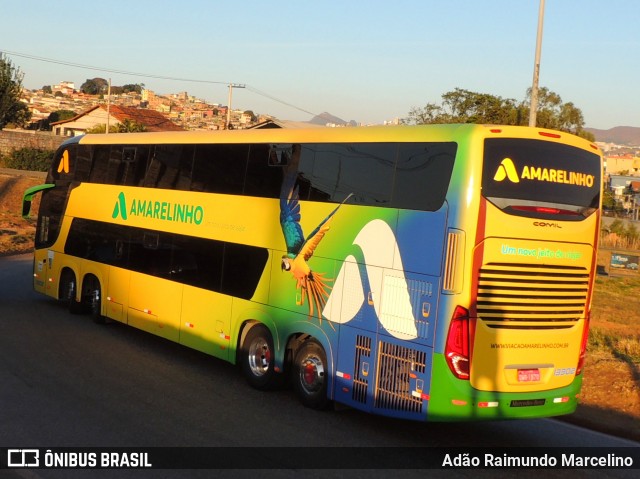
(436, 272)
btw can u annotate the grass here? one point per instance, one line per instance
(610, 400)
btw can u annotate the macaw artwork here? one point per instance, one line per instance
(314, 287)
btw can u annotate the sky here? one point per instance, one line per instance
(368, 61)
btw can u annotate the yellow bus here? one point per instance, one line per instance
(440, 272)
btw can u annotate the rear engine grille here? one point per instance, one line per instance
(396, 367)
(531, 296)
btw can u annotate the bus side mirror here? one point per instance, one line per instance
(28, 197)
(26, 208)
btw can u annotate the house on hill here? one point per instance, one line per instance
(78, 125)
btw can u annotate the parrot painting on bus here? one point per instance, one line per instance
(314, 287)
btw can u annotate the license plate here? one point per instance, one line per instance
(528, 375)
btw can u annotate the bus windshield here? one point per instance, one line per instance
(541, 179)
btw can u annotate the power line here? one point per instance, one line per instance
(148, 75)
(110, 70)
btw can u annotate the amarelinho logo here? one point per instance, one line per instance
(160, 210)
(507, 169)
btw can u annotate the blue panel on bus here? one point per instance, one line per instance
(382, 374)
(420, 236)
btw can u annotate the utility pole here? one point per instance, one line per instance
(536, 68)
(106, 131)
(231, 87)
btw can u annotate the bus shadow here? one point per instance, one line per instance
(607, 421)
(632, 364)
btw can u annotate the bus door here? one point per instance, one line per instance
(40, 271)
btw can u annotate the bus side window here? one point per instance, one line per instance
(220, 168)
(115, 166)
(317, 173)
(100, 164)
(422, 175)
(84, 161)
(366, 171)
(170, 167)
(262, 179)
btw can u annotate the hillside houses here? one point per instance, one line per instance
(186, 111)
(113, 115)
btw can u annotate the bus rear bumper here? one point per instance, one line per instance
(455, 400)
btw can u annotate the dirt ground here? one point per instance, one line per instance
(16, 233)
(610, 399)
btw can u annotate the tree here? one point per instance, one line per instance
(12, 110)
(127, 126)
(95, 86)
(464, 106)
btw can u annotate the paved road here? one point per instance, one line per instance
(66, 381)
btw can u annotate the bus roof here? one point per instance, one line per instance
(448, 132)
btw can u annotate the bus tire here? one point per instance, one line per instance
(96, 304)
(257, 358)
(309, 375)
(67, 292)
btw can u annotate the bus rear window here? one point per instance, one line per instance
(541, 179)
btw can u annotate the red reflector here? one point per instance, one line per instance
(550, 135)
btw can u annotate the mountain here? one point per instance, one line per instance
(620, 135)
(325, 117)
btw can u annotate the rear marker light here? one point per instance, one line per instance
(458, 402)
(561, 400)
(488, 404)
(550, 135)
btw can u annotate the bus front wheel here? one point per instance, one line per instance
(310, 375)
(257, 358)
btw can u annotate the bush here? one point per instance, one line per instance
(32, 159)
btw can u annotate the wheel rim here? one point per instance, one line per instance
(71, 290)
(259, 357)
(312, 374)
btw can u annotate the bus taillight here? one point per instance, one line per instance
(583, 344)
(457, 349)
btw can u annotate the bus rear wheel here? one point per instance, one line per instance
(67, 292)
(309, 375)
(96, 304)
(257, 358)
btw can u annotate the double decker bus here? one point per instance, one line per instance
(440, 272)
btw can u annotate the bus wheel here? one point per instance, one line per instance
(257, 358)
(96, 304)
(67, 292)
(310, 375)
